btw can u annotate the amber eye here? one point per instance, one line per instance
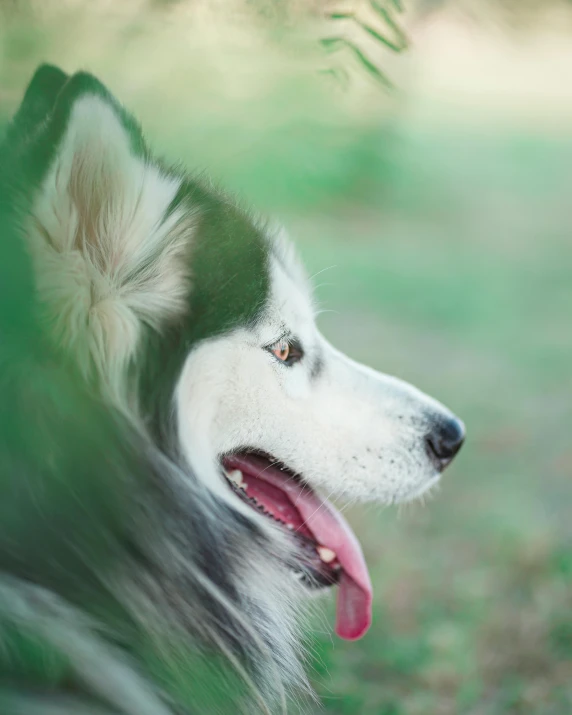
(287, 351)
(281, 350)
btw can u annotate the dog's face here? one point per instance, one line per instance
(289, 416)
(150, 279)
(279, 387)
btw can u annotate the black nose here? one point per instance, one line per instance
(444, 441)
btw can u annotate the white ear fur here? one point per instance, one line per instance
(107, 258)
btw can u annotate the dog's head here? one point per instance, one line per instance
(197, 321)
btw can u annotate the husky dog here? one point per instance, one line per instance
(171, 420)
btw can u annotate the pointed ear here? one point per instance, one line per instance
(39, 99)
(17, 316)
(107, 235)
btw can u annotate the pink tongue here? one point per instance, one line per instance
(330, 529)
(353, 612)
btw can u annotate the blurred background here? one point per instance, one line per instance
(421, 158)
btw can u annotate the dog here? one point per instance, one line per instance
(171, 423)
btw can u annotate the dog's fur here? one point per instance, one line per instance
(137, 308)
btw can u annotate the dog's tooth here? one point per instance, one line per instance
(290, 527)
(235, 477)
(325, 554)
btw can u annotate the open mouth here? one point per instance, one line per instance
(329, 552)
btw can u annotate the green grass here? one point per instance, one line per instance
(460, 280)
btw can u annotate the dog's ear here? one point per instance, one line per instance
(106, 230)
(17, 314)
(39, 99)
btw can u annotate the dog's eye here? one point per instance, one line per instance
(287, 351)
(281, 350)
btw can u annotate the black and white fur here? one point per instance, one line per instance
(146, 301)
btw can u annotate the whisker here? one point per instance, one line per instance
(322, 271)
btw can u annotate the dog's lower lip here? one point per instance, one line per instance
(283, 496)
(274, 505)
(328, 572)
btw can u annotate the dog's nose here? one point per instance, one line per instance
(444, 441)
